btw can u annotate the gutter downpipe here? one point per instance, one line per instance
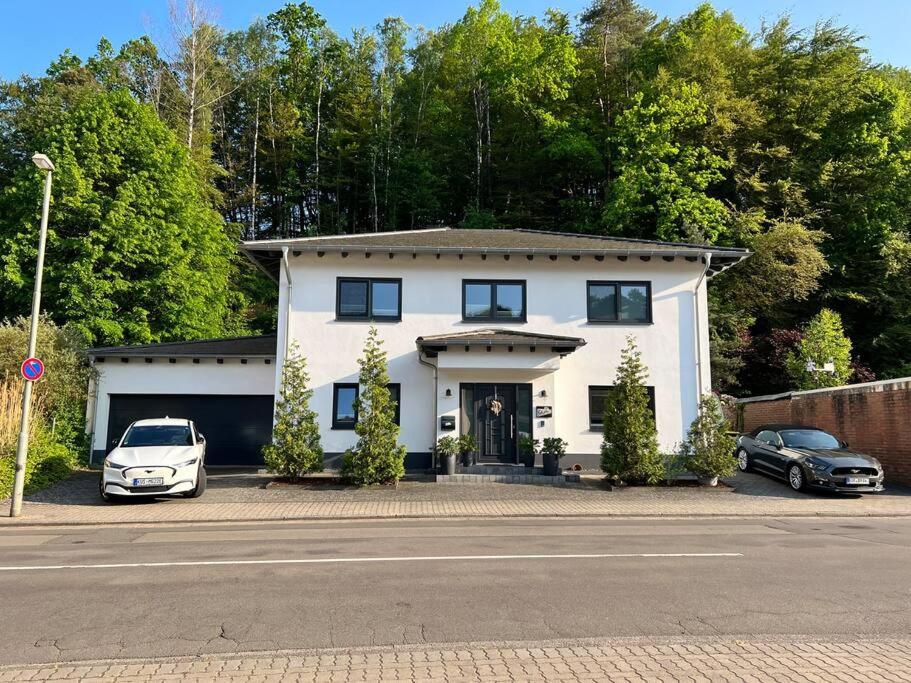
(696, 326)
(287, 304)
(436, 382)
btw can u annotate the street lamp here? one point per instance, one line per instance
(46, 165)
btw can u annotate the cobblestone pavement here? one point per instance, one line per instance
(244, 497)
(624, 660)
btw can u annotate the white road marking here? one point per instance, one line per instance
(351, 560)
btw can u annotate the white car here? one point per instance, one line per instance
(156, 458)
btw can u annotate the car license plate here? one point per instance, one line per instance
(149, 481)
(861, 481)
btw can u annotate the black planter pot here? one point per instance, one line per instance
(528, 459)
(551, 465)
(449, 464)
(467, 459)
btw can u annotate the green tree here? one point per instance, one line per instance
(708, 449)
(664, 172)
(823, 341)
(630, 448)
(135, 252)
(57, 439)
(295, 449)
(377, 458)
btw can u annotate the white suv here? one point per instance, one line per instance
(156, 458)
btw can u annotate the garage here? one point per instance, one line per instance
(226, 386)
(235, 427)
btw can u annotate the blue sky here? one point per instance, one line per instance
(33, 33)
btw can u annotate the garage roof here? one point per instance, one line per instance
(262, 346)
(267, 253)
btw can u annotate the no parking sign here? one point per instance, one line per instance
(32, 369)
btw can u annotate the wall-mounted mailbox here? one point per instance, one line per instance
(447, 423)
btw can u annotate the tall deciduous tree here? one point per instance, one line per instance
(135, 253)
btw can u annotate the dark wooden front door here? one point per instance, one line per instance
(495, 420)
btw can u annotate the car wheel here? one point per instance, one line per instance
(795, 477)
(105, 496)
(200, 484)
(743, 460)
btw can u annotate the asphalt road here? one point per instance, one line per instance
(79, 593)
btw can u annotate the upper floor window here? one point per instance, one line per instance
(619, 302)
(493, 300)
(369, 299)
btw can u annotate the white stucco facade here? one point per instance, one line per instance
(558, 354)
(556, 296)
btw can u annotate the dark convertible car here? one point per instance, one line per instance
(807, 457)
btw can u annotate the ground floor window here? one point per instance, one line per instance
(596, 397)
(344, 404)
(395, 392)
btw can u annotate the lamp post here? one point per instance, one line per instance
(46, 165)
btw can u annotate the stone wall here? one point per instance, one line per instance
(873, 418)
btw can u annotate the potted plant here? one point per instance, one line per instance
(528, 447)
(466, 446)
(553, 449)
(447, 449)
(708, 447)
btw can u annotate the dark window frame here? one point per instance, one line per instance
(369, 282)
(493, 317)
(599, 426)
(617, 285)
(398, 403)
(348, 424)
(344, 424)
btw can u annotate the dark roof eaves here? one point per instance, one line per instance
(687, 250)
(162, 348)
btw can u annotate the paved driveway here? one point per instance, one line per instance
(238, 496)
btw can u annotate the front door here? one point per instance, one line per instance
(495, 415)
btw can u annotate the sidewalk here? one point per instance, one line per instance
(243, 497)
(616, 660)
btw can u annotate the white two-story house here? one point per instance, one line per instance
(498, 333)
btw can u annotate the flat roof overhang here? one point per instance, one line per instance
(561, 346)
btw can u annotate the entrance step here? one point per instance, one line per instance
(539, 479)
(511, 470)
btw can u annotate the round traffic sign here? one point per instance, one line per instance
(32, 369)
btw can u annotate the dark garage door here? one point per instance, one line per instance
(235, 427)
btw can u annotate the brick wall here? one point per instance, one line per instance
(873, 418)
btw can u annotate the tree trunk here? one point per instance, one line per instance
(373, 189)
(479, 142)
(319, 102)
(253, 184)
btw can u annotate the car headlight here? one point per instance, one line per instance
(186, 463)
(818, 466)
(112, 465)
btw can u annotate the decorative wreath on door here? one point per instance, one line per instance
(495, 404)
